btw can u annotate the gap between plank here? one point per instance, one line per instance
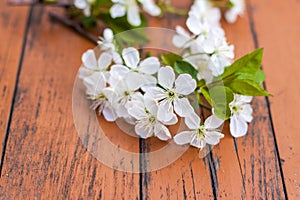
(7, 128)
(256, 44)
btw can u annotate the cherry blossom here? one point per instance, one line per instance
(241, 114)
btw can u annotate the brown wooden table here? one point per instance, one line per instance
(42, 156)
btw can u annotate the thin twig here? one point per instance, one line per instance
(22, 3)
(74, 26)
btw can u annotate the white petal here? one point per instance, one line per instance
(166, 77)
(172, 121)
(108, 34)
(150, 7)
(117, 73)
(109, 93)
(117, 58)
(197, 142)
(134, 80)
(193, 121)
(185, 84)
(230, 16)
(194, 25)
(117, 10)
(131, 57)
(182, 37)
(149, 65)
(87, 11)
(95, 83)
(133, 15)
(143, 129)
(162, 132)
(183, 107)
(213, 122)
(238, 127)
(154, 93)
(136, 110)
(81, 4)
(242, 98)
(104, 60)
(165, 110)
(109, 114)
(246, 113)
(208, 45)
(89, 59)
(151, 105)
(213, 137)
(184, 137)
(84, 72)
(149, 80)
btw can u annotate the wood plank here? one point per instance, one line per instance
(256, 172)
(245, 168)
(12, 23)
(188, 177)
(279, 34)
(45, 159)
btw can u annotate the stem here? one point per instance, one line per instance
(221, 4)
(50, 3)
(204, 106)
(74, 26)
(201, 103)
(173, 10)
(196, 54)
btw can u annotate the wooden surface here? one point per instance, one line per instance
(43, 157)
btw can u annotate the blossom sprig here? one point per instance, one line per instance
(122, 15)
(151, 93)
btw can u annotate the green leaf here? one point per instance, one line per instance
(247, 87)
(101, 3)
(88, 22)
(258, 77)
(182, 67)
(248, 64)
(170, 58)
(220, 97)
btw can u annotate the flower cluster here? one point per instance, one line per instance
(151, 93)
(145, 94)
(132, 9)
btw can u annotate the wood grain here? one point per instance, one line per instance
(45, 159)
(279, 34)
(246, 168)
(12, 23)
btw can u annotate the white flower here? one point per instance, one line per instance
(220, 53)
(238, 7)
(136, 73)
(144, 111)
(97, 91)
(201, 64)
(122, 95)
(241, 113)
(120, 8)
(106, 44)
(182, 39)
(200, 134)
(91, 64)
(150, 7)
(84, 5)
(203, 28)
(172, 93)
(203, 11)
